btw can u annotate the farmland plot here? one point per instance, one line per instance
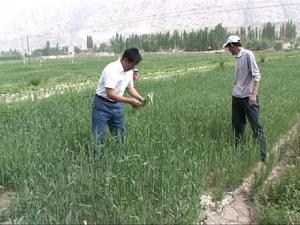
(176, 148)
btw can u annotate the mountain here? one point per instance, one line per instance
(68, 22)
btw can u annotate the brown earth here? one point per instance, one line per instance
(6, 199)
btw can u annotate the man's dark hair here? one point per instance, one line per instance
(132, 54)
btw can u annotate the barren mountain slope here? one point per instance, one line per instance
(69, 22)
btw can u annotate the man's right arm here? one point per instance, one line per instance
(111, 94)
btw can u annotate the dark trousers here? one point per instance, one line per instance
(241, 109)
(106, 113)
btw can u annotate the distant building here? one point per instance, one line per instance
(287, 46)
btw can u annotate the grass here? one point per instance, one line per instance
(16, 77)
(280, 203)
(176, 148)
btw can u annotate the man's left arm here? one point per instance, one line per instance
(256, 76)
(252, 100)
(134, 93)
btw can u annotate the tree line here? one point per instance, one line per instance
(203, 39)
(195, 40)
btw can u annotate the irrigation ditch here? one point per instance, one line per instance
(237, 207)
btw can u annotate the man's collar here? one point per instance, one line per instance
(120, 66)
(241, 52)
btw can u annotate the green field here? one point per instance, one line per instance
(280, 202)
(15, 76)
(176, 148)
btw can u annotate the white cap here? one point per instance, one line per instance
(232, 39)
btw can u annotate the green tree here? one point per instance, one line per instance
(104, 47)
(117, 43)
(175, 40)
(47, 49)
(242, 33)
(89, 42)
(290, 31)
(250, 33)
(282, 32)
(268, 32)
(217, 36)
(57, 49)
(76, 49)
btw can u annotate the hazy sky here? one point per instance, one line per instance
(67, 21)
(12, 8)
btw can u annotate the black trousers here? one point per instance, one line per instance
(241, 109)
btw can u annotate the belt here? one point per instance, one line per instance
(105, 99)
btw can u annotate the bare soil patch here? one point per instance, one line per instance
(6, 198)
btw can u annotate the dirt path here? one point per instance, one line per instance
(6, 199)
(46, 92)
(236, 208)
(288, 157)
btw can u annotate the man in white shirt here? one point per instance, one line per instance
(108, 109)
(244, 94)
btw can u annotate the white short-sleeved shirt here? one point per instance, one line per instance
(113, 76)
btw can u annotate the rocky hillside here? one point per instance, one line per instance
(68, 22)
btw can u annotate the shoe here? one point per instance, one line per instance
(264, 158)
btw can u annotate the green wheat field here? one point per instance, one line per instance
(176, 148)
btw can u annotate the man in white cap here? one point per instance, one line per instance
(245, 93)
